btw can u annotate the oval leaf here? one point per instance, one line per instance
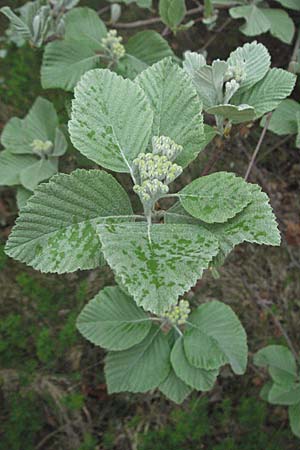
(141, 368)
(111, 119)
(113, 321)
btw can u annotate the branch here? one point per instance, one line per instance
(153, 20)
(257, 148)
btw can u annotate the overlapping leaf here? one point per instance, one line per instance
(176, 106)
(111, 119)
(199, 379)
(113, 321)
(172, 12)
(56, 230)
(263, 97)
(142, 50)
(40, 123)
(257, 62)
(157, 271)
(284, 118)
(280, 362)
(174, 388)
(141, 368)
(65, 61)
(216, 337)
(216, 197)
(11, 165)
(294, 417)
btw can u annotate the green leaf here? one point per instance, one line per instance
(11, 166)
(172, 12)
(264, 392)
(202, 351)
(56, 230)
(255, 224)
(176, 106)
(193, 61)
(236, 114)
(200, 379)
(283, 120)
(141, 368)
(281, 25)
(40, 170)
(267, 94)
(280, 362)
(294, 417)
(142, 50)
(156, 272)
(111, 119)
(60, 143)
(282, 394)
(174, 388)
(216, 197)
(40, 123)
(219, 328)
(18, 25)
(202, 78)
(292, 4)
(256, 21)
(65, 61)
(22, 196)
(257, 62)
(84, 23)
(113, 321)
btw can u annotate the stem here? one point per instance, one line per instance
(208, 8)
(257, 148)
(294, 54)
(178, 330)
(212, 161)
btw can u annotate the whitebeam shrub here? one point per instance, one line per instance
(150, 128)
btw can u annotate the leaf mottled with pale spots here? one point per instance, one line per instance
(56, 229)
(156, 272)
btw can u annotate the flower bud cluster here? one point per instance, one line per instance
(164, 146)
(113, 46)
(41, 148)
(230, 89)
(179, 313)
(237, 73)
(154, 171)
(151, 190)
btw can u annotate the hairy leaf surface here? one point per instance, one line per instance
(40, 123)
(174, 388)
(263, 97)
(257, 62)
(113, 321)
(11, 165)
(216, 197)
(56, 230)
(142, 50)
(65, 61)
(176, 106)
(111, 119)
(141, 368)
(217, 337)
(199, 379)
(157, 272)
